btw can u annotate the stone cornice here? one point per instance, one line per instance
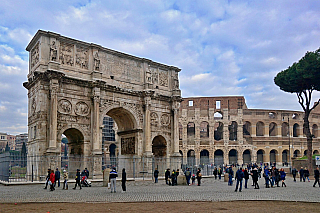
(96, 46)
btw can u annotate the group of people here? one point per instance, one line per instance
(53, 177)
(171, 178)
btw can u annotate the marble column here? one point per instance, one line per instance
(148, 142)
(95, 123)
(54, 86)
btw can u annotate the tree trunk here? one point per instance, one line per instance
(306, 129)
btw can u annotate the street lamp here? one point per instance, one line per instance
(289, 140)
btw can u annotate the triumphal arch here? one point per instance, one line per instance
(72, 85)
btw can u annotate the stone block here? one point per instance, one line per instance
(181, 180)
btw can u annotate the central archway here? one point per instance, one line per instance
(159, 146)
(75, 146)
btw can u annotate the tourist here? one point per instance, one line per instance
(255, 177)
(215, 173)
(273, 176)
(199, 176)
(57, 175)
(188, 176)
(306, 174)
(316, 177)
(65, 181)
(239, 176)
(266, 176)
(113, 179)
(167, 176)
(230, 172)
(52, 180)
(173, 177)
(219, 173)
(47, 178)
(193, 179)
(301, 175)
(123, 180)
(86, 172)
(156, 175)
(246, 178)
(283, 177)
(294, 174)
(77, 179)
(277, 177)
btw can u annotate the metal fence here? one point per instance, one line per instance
(17, 168)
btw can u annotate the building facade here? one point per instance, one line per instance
(223, 131)
(20, 139)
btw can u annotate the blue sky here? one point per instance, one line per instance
(223, 47)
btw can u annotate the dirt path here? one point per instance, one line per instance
(172, 207)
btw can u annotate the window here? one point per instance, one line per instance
(218, 105)
(190, 103)
(35, 132)
(240, 103)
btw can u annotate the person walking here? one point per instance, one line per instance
(306, 174)
(167, 176)
(255, 177)
(123, 180)
(173, 177)
(283, 177)
(230, 172)
(188, 176)
(113, 179)
(215, 173)
(219, 173)
(266, 175)
(52, 180)
(316, 177)
(77, 180)
(294, 174)
(156, 175)
(65, 181)
(57, 175)
(47, 178)
(239, 176)
(246, 178)
(301, 175)
(199, 176)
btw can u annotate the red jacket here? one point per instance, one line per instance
(52, 177)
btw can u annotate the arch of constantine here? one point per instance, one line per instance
(72, 85)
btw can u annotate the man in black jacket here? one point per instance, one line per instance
(77, 179)
(47, 178)
(239, 177)
(57, 175)
(167, 177)
(113, 179)
(316, 177)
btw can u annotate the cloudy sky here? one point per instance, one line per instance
(223, 47)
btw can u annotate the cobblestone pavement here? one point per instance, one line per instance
(142, 191)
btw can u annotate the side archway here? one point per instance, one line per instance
(218, 157)
(159, 146)
(247, 156)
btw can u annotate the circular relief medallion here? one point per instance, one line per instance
(82, 109)
(165, 119)
(64, 106)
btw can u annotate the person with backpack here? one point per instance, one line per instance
(188, 176)
(156, 175)
(57, 177)
(199, 176)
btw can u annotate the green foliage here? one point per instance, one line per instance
(301, 76)
(305, 157)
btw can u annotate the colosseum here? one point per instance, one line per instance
(223, 131)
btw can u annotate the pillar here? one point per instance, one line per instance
(54, 86)
(148, 142)
(175, 131)
(95, 122)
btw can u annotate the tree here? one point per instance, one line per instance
(302, 78)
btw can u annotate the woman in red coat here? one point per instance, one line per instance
(52, 180)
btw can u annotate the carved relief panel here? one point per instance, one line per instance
(163, 78)
(35, 55)
(64, 106)
(82, 57)
(154, 119)
(66, 54)
(128, 145)
(165, 120)
(82, 109)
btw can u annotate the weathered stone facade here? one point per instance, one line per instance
(72, 85)
(222, 130)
